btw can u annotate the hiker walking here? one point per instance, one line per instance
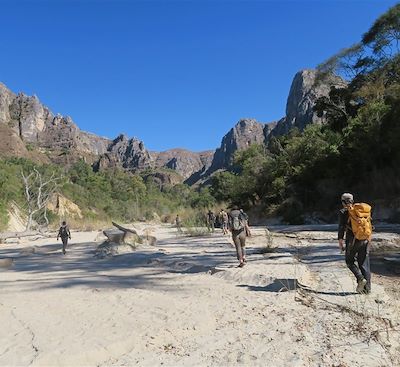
(224, 220)
(64, 233)
(246, 223)
(210, 221)
(237, 224)
(354, 235)
(178, 223)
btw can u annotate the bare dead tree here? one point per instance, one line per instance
(38, 192)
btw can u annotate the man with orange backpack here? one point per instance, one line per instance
(355, 230)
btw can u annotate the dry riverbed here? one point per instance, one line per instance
(184, 302)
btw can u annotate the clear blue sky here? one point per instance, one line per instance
(172, 73)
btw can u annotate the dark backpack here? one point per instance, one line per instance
(64, 231)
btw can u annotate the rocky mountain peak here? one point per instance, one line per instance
(120, 138)
(29, 117)
(33, 122)
(130, 154)
(241, 136)
(183, 161)
(304, 92)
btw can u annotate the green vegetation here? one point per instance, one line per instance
(358, 149)
(103, 196)
(195, 226)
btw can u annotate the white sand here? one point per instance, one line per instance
(183, 302)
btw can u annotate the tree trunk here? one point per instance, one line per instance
(6, 235)
(121, 235)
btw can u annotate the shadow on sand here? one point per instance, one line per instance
(287, 285)
(43, 267)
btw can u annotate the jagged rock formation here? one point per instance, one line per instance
(6, 98)
(182, 161)
(23, 119)
(163, 178)
(268, 128)
(35, 124)
(304, 92)
(28, 117)
(126, 153)
(62, 134)
(12, 146)
(241, 136)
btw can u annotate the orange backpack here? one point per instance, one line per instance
(360, 219)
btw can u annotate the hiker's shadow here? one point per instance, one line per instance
(287, 285)
(278, 285)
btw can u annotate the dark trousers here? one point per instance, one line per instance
(64, 242)
(359, 250)
(239, 239)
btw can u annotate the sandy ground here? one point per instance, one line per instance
(184, 302)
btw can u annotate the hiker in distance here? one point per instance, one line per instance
(178, 223)
(237, 225)
(246, 223)
(210, 221)
(224, 220)
(64, 233)
(354, 235)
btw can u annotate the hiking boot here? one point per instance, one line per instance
(367, 290)
(361, 285)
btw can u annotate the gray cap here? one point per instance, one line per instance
(347, 198)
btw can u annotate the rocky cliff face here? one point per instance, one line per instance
(163, 179)
(241, 136)
(10, 143)
(125, 153)
(34, 123)
(29, 117)
(6, 98)
(304, 92)
(183, 161)
(62, 134)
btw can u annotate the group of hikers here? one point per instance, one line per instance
(237, 222)
(222, 220)
(354, 235)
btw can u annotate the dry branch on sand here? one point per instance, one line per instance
(122, 240)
